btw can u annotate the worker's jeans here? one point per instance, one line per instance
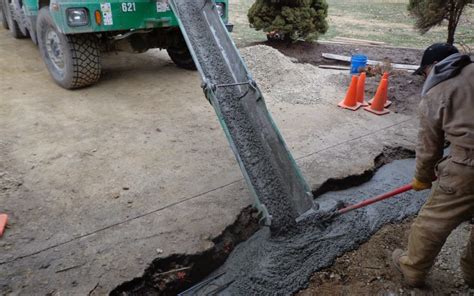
(451, 203)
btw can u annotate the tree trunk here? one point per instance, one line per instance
(451, 32)
(459, 12)
(451, 21)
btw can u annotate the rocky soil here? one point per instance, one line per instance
(368, 270)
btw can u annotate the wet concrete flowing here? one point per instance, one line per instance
(282, 265)
(266, 164)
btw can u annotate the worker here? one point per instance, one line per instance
(446, 110)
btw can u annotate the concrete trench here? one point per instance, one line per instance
(247, 259)
(175, 273)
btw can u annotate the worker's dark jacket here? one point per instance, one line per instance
(446, 110)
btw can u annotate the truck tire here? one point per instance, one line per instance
(3, 16)
(182, 57)
(11, 23)
(72, 60)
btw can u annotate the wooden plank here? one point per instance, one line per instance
(405, 67)
(349, 41)
(369, 62)
(342, 43)
(368, 45)
(334, 67)
(336, 57)
(359, 40)
(355, 43)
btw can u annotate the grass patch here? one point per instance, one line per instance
(243, 34)
(389, 21)
(379, 20)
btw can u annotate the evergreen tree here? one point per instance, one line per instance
(430, 13)
(295, 19)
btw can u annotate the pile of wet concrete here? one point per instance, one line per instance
(281, 264)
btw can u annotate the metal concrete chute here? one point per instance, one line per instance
(280, 191)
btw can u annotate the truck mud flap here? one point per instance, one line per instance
(270, 171)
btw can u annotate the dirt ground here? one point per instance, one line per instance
(311, 52)
(368, 270)
(404, 91)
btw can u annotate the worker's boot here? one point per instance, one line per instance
(412, 281)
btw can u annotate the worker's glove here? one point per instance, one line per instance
(418, 185)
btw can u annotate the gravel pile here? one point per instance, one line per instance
(283, 80)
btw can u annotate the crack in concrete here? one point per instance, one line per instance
(177, 269)
(119, 223)
(388, 155)
(192, 197)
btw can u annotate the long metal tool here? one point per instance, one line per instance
(367, 202)
(267, 165)
(373, 200)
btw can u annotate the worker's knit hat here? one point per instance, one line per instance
(435, 53)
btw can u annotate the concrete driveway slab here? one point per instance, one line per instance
(95, 180)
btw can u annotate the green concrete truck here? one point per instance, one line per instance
(72, 34)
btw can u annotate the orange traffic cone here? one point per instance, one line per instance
(361, 90)
(350, 101)
(387, 102)
(3, 223)
(378, 102)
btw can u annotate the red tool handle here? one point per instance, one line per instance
(375, 199)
